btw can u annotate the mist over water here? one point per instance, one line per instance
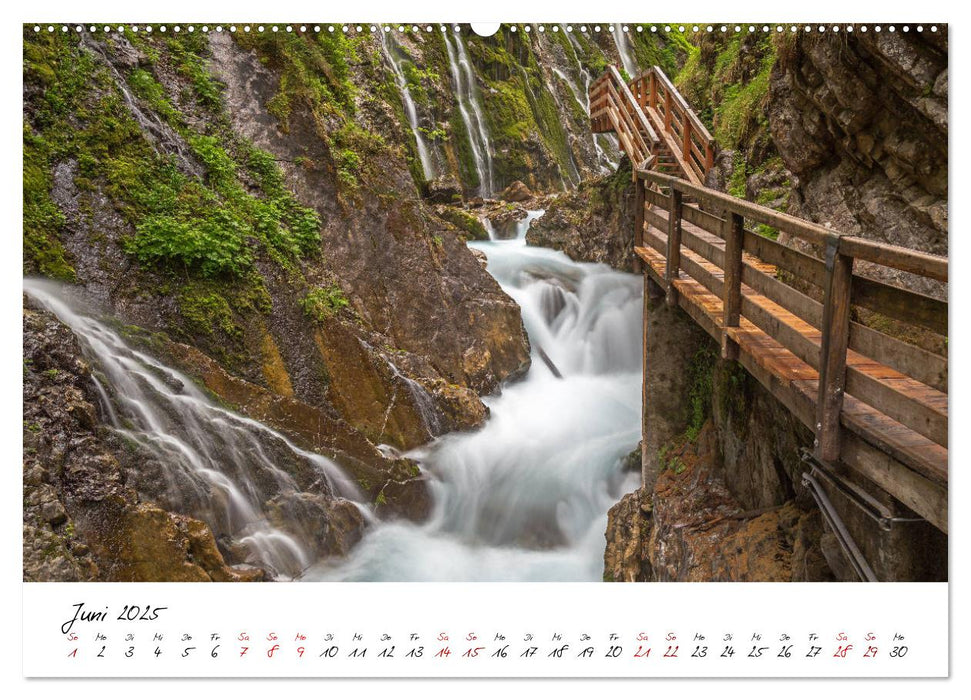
(525, 497)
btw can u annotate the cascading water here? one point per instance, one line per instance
(623, 49)
(525, 497)
(463, 79)
(411, 112)
(607, 164)
(201, 459)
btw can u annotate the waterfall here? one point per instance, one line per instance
(411, 112)
(525, 497)
(199, 458)
(623, 49)
(606, 163)
(463, 79)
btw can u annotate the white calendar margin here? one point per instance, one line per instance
(919, 611)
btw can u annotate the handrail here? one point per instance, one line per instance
(614, 108)
(668, 85)
(862, 392)
(658, 112)
(896, 257)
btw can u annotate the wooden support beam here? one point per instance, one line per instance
(832, 357)
(734, 238)
(674, 246)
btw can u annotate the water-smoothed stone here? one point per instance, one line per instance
(307, 425)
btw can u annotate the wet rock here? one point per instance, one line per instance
(82, 519)
(408, 498)
(306, 425)
(516, 192)
(592, 223)
(691, 528)
(481, 257)
(627, 557)
(444, 190)
(333, 526)
(505, 221)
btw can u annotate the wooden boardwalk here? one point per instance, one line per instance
(795, 316)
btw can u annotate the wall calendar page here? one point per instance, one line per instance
(528, 349)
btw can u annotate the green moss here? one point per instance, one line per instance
(43, 251)
(700, 387)
(669, 50)
(519, 109)
(466, 222)
(321, 303)
(736, 185)
(207, 310)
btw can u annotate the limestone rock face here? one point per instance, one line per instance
(627, 556)
(408, 278)
(862, 126)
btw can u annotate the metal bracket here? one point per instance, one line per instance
(870, 506)
(832, 248)
(859, 563)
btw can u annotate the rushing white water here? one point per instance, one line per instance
(210, 463)
(463, 79)
(623, 49)
(411, 112)
(525, 497)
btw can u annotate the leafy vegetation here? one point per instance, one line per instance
(321, 303)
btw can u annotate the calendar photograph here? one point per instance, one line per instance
(561, 303)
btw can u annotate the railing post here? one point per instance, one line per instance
(686, 139)
(732, 292)
(832, 354)
(674, 245)
(652, 91)
(667, 110)
(709, 156)
(639, 186)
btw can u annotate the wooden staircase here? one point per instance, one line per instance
(793, 316)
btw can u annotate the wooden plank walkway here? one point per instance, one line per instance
(876, 403)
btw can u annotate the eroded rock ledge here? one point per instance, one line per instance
(689, 527)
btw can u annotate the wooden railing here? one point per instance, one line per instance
(875, 402)
(687, 136)
(614, 108)
(650, 117)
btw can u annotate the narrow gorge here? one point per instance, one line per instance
(359, 303)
